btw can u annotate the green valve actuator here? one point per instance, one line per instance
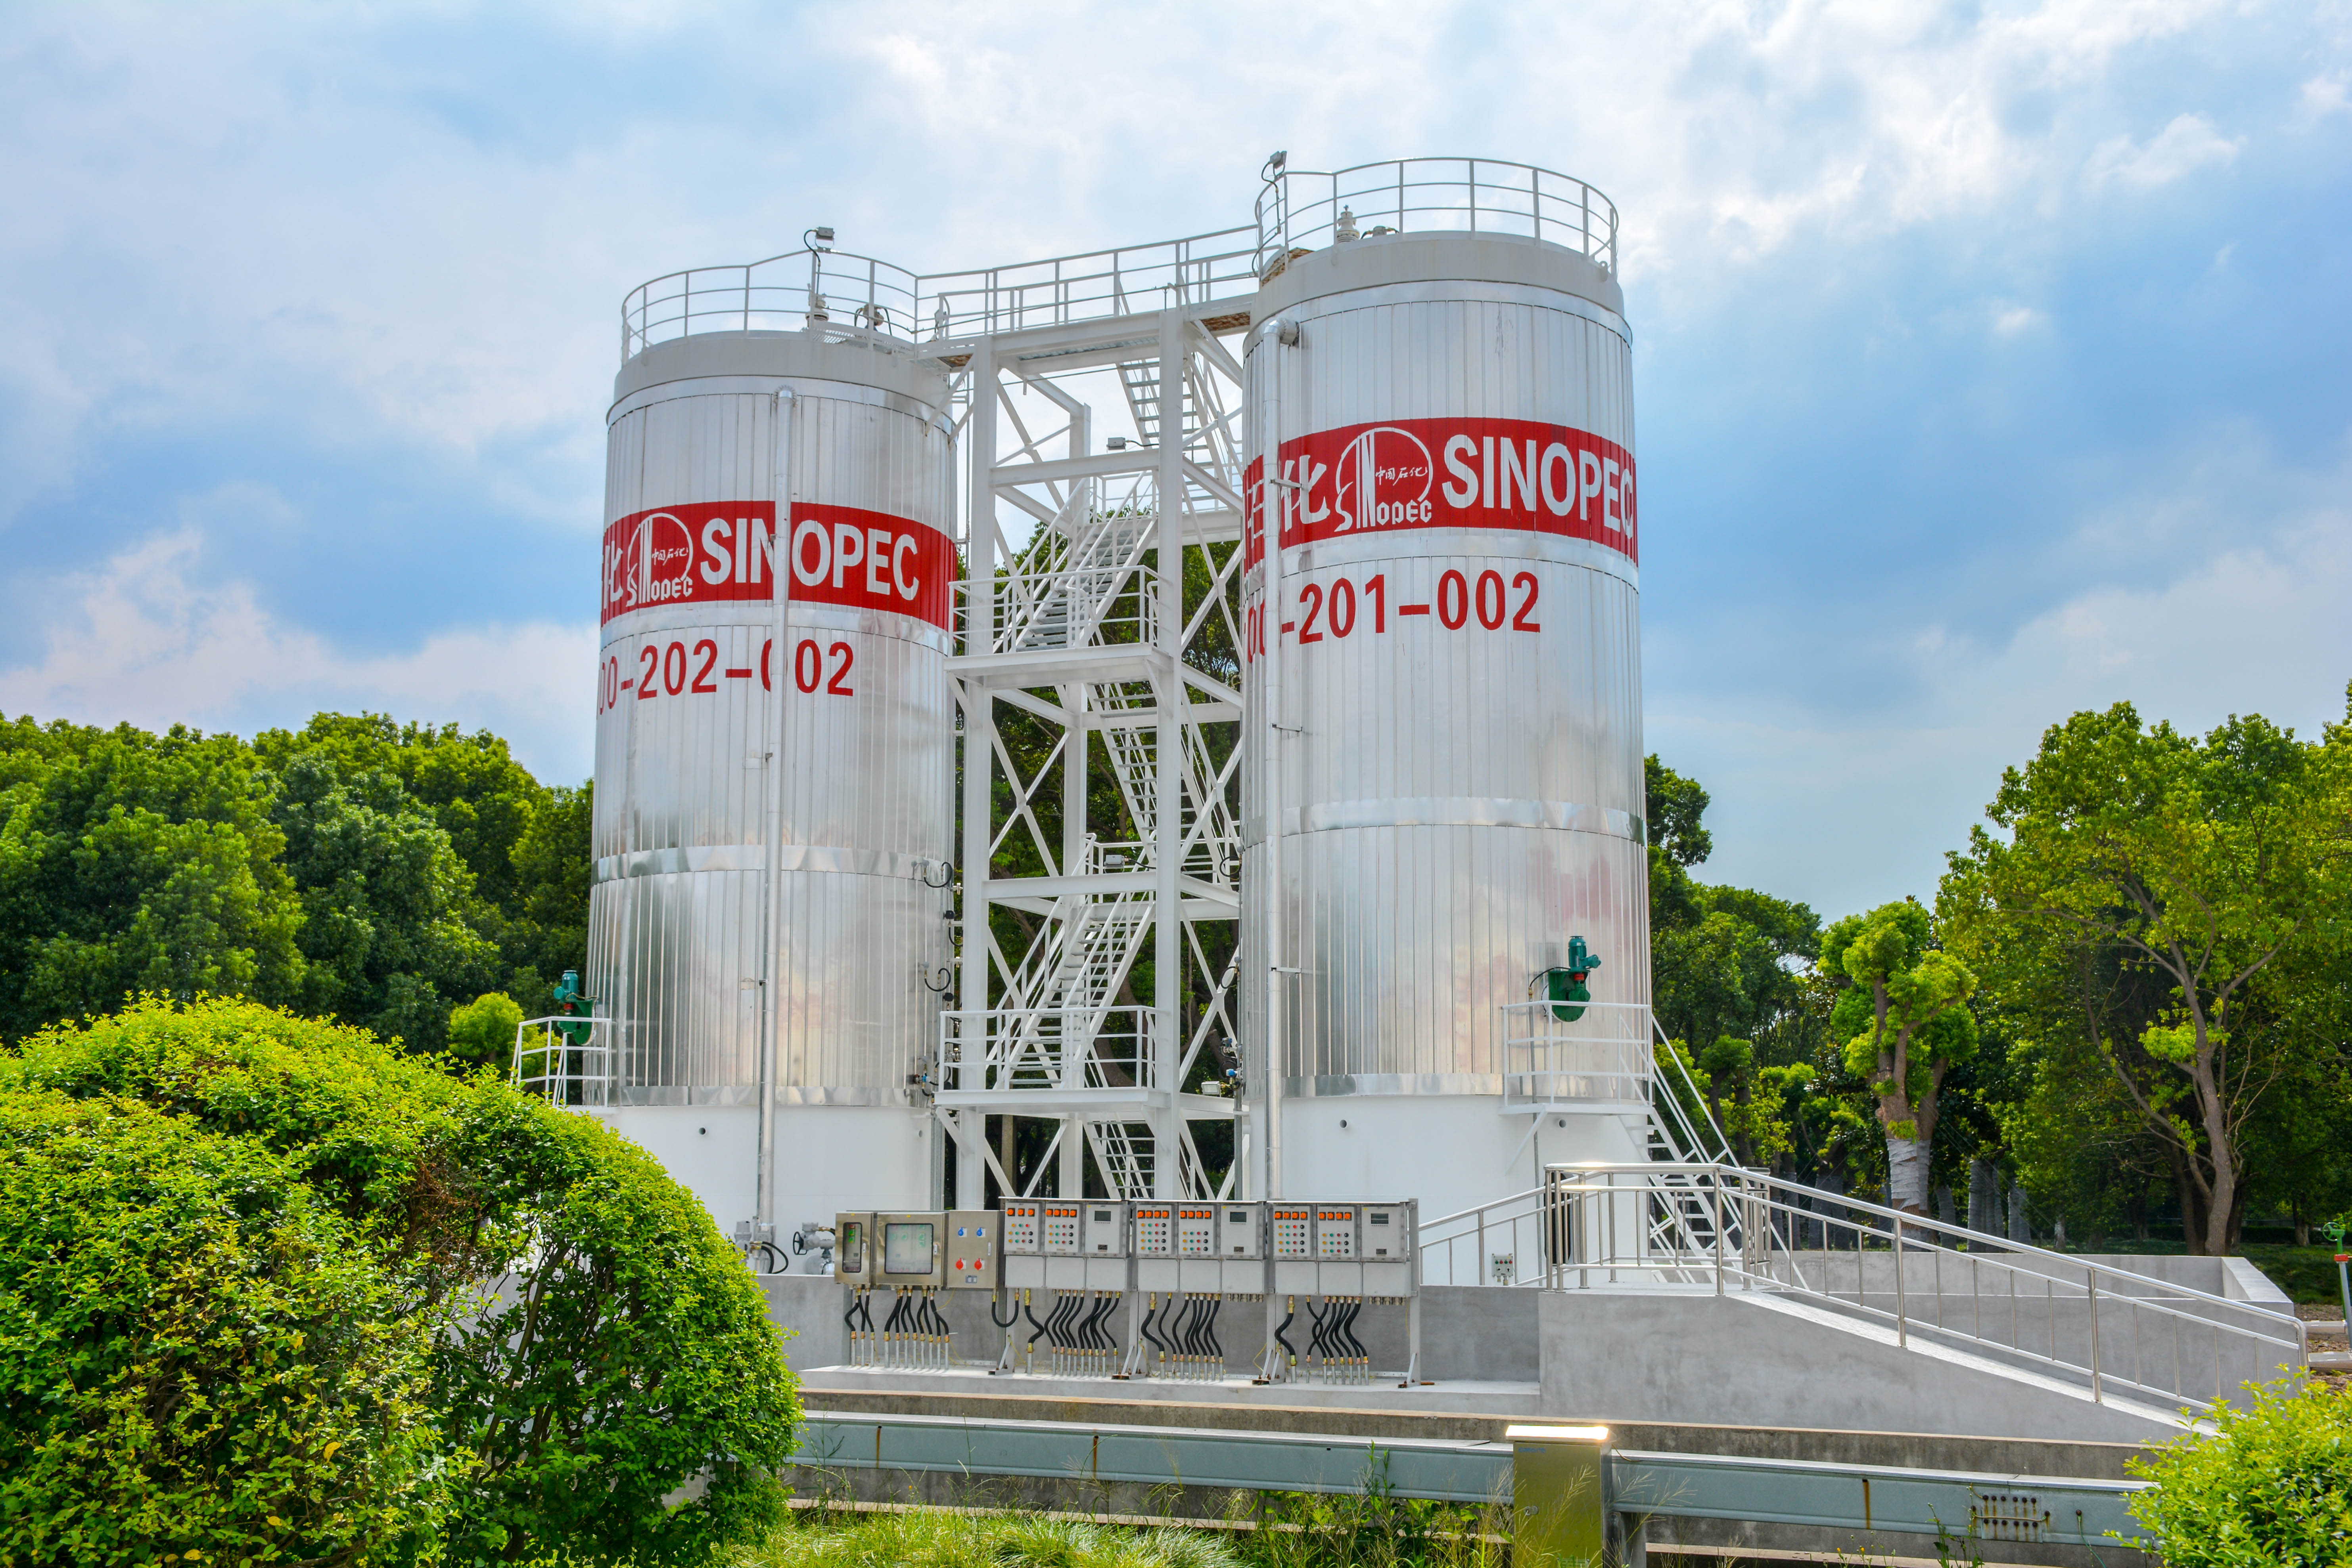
(569, 1000)
(1567, 987)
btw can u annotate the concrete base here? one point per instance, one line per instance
(829, 1158)
(1451, 1152)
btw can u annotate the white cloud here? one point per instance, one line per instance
(2188, 144)
(2323, 95)
(141, 642)
(2252, 627)
(2008, 319)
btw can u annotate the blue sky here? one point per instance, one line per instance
(1990, 360)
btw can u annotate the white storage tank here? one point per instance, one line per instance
(773, 812)
(1444, 666)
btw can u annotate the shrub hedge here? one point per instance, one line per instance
(2272, 1484)
(533, 1335)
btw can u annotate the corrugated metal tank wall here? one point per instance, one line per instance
(1460, 692)
(678, 914)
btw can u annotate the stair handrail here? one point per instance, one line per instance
(1758, 1242)
(1691, 1141)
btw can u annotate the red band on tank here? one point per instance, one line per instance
(1519, 475)
(724, 552)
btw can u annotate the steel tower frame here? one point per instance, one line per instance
(1085, 628)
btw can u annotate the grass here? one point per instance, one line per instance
(940, 1539)
(1371, 1528)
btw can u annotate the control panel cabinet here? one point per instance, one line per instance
(853, 1252)
(1240, 1248)
(1103, 1244)
(1156, 1267)
(1342, 1249)
(972, 1238)
(908, 1250)
(1385, 1240)
(1023, 1221)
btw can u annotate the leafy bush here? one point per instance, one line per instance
(197, 1356)
(626, 1353)
(2272, 1486)
(589, 1343)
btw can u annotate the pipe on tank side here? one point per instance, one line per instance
(1271, 822)
(779, 592)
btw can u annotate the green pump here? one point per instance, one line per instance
(569, 1000)
(1568, 983)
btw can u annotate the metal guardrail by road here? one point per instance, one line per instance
(1869, 1498)
(1155, 1455)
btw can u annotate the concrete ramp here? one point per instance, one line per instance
(1758, 1358)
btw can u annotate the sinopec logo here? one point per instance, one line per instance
(1384, 479)
(653, 563)
(725, 552)
(1519, 475)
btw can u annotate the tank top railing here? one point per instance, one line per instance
(855, 298)
(871, 302)
(1133, 279)
(1303, 210)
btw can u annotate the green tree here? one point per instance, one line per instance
(1903, 1025)
(1757, 1118)
(1732, 965)
(482, 1032)
(2147, 882)
(128, 861)
(360, 868)
(385, 903)
(524, 846)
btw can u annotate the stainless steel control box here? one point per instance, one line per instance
(1386, 1241)
(1154, 1231)
(1343, 1249)
(1102, 1244)
(909, 1248)
(973, 1236)
(853, 1252)
(1022, 1244)
(1240, 1248)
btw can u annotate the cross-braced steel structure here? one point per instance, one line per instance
(1099, 610)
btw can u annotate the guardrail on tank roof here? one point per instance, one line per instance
(1302, 209)
(871, 303)
(855, 298)
(874, 304)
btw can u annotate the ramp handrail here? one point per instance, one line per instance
(2084, 1321)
